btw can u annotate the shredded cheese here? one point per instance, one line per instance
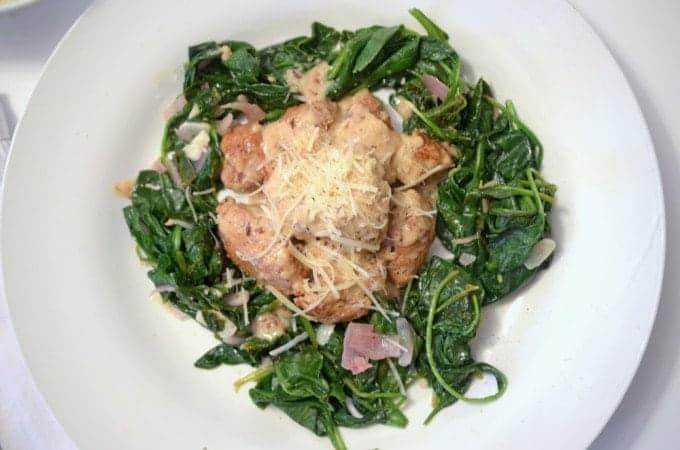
(423, 177)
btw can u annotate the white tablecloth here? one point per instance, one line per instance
(645, 39)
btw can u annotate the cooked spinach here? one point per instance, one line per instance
(492, 209)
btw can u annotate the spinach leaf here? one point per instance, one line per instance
(224, 354)
(299, 374)
(491, 210)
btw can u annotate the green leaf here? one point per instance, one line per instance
(372, 48)
(430, 27)
(224, 354)
(299, 374)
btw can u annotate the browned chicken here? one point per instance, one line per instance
(368, 101)
(409, 237)
(417, 156)
(352, 304)
(247, 234)
(243, 158)
(325, 171)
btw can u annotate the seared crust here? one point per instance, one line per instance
(418, 155)
(368, 101)
(247, 234)
(253, 153)
(409, 237)
(243, 158)
(352, 304)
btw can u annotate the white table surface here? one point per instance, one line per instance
(644, 37)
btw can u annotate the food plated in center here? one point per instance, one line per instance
(292, 214)
(328, 204)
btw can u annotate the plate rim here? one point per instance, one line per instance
(649, 320)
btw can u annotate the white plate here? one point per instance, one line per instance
(8, 5)
(117, 370)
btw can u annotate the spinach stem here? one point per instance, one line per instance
(371, 395)
(479, 158)
(537, 195)
(432, 29)
(462, 294)
(406, 293)
(307, 325)
(475, 320)
(254, 376)
(334, 436)
(509, 110)
(501, 382)
(441, 133)
(517, 191)
(507, 212)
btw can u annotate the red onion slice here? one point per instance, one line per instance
(224, 125)
(158, 166)
(541, 251)
(324, 332)
(349, 404)
(174, 173)
(436, 87)
(238, 298)
(466, 259)
(252, 111)
(406, 340)
(174, 107)
(200, 162)
(189, 130)
(162, 288)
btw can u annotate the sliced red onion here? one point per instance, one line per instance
(155, 295)
(252, 111)
(238, 298)
(349, 404)
(228, 331)
(174, 173)
(466, 259)
(174, 107)
(158, 166)
(182, 223)
(189, 130)
(290, 344)
(324, 333)
(162, 288)
(234, 340)
(541, 251)
(438, 89)
(238, 197)
(406, 340)
(178, 313)
(200, 162)
(466, 239)
(198, 146)
(224, 125)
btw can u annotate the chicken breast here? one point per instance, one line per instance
(328, 225)
(364, 121)
(418, 155)
(299, 126)
(367, 101)
(409, 237)
(352, 304)
(243, 158)
(248, 235)
(353, 269)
